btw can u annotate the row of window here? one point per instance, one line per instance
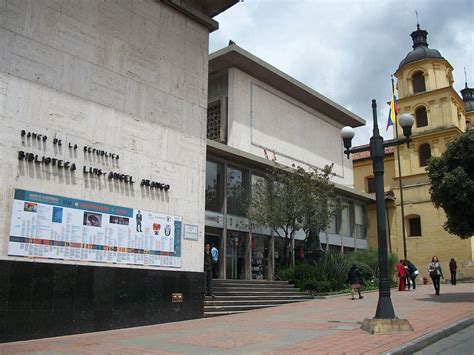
(225, 182)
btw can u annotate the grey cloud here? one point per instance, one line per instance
(347, 50)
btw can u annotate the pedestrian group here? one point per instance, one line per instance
(407, 274)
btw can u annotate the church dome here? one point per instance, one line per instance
(468, 98)
(420, 48)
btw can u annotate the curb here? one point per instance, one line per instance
(431, 338)
(325, 297)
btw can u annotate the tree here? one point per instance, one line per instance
(287, 201)
(452, 185)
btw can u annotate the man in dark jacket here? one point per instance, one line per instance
(208, 270)
(355, 279)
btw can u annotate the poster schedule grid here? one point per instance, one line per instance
(56, 227)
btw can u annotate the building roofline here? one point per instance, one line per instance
(251, 160)
(233, 56)
(202, 11)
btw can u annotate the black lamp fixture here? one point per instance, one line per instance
(384, 320)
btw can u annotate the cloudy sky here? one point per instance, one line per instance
(347, 50)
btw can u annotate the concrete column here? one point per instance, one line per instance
(248, 256)
(223, 253)
(271, 258)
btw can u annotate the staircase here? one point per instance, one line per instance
(238, 296)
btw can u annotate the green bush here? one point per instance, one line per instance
(284, 274)
(370, 257)
(329, 273)
(334, 266)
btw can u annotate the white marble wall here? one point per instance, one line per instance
(125, 76)
(260, 117)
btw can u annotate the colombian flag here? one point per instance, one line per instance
(392, 114)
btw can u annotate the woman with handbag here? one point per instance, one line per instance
(435, 273)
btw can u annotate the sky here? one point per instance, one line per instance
(347, 50)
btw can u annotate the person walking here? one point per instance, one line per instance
(435, 273)
(215, 261)
(453, 267)
(412, 273)
(401, 276)
(355, 279)
(208, 270)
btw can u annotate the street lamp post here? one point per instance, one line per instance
(384, 320)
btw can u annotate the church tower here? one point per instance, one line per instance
(425, 90)
(468, 98)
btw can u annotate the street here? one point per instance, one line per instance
(460, 343)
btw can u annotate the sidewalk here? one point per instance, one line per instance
(314, 327)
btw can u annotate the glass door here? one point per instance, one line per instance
(235, 258)
(260, 252)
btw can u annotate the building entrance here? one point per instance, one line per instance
(260, 253)
(235, 258)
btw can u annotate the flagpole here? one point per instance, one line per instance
(401, 186)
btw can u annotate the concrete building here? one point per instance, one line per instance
(425, 88)
(257, 114)
(102, 163)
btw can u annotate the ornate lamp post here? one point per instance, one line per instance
(384, 320)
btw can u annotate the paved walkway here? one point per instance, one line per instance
(314, 327)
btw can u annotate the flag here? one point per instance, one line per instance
(392, 114)
(265, 153)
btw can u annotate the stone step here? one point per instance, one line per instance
(300, 295)
(221, 313)
(271, 286)
(256, 293)
(214, 302)
(237, 296)
(247, 307)
(253, 282)
(259, 289)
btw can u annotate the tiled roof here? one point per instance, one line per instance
(366, 154)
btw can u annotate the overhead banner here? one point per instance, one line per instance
(56, 227)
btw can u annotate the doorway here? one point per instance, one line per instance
(235, 258)
(214, 236)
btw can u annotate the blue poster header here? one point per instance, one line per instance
(72, 203)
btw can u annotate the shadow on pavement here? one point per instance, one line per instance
(450, 297)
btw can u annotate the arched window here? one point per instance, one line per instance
(424, 153)
(414, 226)
(418, 82)
(421, 117)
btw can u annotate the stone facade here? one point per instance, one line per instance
(128, 77)
(116, 86)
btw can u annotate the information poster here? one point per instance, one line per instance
(55, 227)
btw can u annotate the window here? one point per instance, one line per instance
(424, 154)
(418, 82)
(414, 223)
(334, 220)
(345, 221)
(359, 218)
(236, 184)
(214, 186)
(421, 117)
(371, 185)
(216, 121)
